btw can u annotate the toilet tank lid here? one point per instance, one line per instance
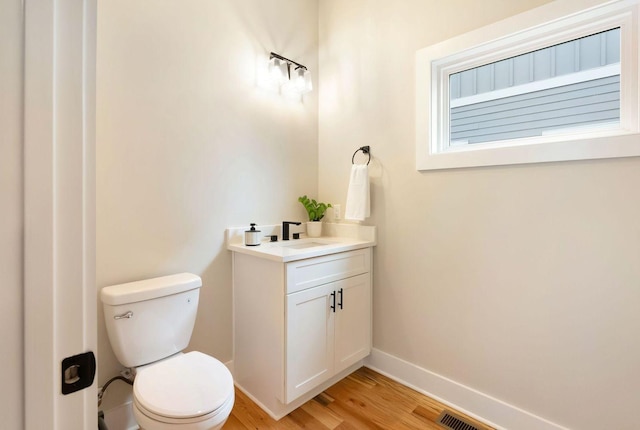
(149, 289)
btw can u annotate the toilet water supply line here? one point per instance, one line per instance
(104, 387)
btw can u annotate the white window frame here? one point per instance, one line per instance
(554, 23)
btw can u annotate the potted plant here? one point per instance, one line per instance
(316, 212)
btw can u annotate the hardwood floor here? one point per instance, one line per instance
(363, 400)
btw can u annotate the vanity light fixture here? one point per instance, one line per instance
(297, 80)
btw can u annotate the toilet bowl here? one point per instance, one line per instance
(190, 391)
(149, 323)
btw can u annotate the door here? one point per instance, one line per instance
(309, 339)
(353, 320)
(60, 298)
(11, 227)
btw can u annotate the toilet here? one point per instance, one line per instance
(149, 324)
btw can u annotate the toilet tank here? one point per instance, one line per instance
(151, 319)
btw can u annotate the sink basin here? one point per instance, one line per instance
(339, 238)
(304, 245)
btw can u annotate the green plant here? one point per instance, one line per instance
(314, 209)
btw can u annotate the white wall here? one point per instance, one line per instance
(188, 144)
(518, 281)
(11, 198)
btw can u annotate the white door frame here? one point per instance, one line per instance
(59, 159)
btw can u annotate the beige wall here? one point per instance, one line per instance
(188, 144)
(11, 315)
(518, 281)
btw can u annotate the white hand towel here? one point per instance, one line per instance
(358, 206)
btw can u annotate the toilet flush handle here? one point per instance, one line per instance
(123, 316)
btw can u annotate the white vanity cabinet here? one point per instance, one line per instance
(327, 330)
(299, 326)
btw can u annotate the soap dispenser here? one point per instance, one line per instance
(252, 236)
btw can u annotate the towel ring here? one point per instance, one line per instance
(365, 150)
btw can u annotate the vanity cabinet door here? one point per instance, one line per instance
(352, 320)
(309, 340)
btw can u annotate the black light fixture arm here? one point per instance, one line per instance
(289, 62)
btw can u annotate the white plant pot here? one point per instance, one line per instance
(314, 229)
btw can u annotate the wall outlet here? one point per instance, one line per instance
(337, 211)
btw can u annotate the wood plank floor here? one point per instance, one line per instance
(363, 400)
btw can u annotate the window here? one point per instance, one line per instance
(572, 85)
(564, 89)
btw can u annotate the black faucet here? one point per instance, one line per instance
(285, 228)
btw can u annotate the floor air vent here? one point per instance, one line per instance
(452, 421)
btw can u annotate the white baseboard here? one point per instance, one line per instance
(474, 403)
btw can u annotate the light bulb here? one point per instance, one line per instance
(301, 80)
(278, 71)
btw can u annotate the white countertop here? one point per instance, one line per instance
(336, 238)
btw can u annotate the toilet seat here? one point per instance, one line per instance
(188, 388)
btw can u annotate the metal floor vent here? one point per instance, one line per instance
(452, 421)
